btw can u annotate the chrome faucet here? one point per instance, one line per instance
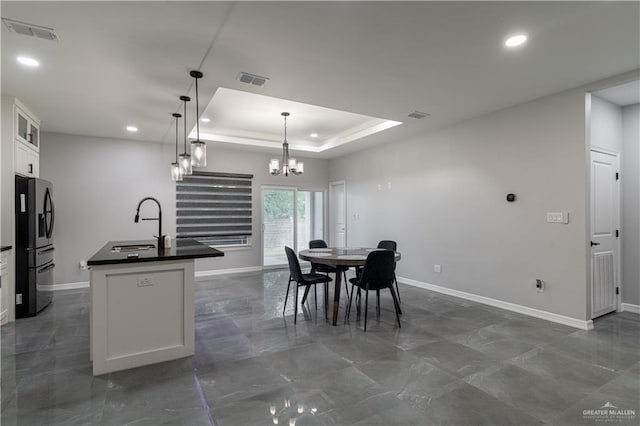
(159, 237)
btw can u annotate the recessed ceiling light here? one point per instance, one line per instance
(132, 129)
(515, 40)
(314, 135)
(205, 120)
(30, 62)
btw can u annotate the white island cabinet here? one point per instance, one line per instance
(142, 306)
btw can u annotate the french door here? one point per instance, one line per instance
(290, 217)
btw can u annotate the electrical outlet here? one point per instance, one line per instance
(83, 265)
(539, 285)
(145, 282)
(437, 269)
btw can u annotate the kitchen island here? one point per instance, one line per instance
(142, 307)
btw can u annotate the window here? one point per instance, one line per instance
(214, 208)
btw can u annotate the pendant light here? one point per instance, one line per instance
(185, 159)
(198, 147)
(289, 165)
(176, 171)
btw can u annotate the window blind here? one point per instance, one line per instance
(214, 208)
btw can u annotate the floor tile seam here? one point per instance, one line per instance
(203, 400)
(567, 382)
(509, 403)
(602, 342)
(616, 377)
(569, 358)
(569, 355)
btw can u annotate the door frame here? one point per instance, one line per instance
(617, 244)
(295, 190)
(331, 216)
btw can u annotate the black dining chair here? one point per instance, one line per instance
(303, 280)
(392, 245)
(377, 275)
(328, 269)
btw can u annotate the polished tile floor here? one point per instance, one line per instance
(453, 362)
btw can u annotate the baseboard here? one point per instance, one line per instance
(549, 316)
(628, 307)
(214, 272)
(71, 286)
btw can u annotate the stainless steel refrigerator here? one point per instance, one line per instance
(35, 217)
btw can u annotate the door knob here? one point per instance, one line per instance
(594, 244)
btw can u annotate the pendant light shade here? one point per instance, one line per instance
(289, 165)
(184, 158)
(176, 171)
(198, 147)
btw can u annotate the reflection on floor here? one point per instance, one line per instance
(452, 362)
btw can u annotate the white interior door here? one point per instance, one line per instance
(604, 232)
(338, 214)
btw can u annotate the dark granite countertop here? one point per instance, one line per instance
(5, 248)
(180, 249)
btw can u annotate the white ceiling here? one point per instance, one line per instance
(119, 63)
(256, 120)
(622, 94)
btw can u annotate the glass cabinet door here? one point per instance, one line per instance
(23, 127)
(34, 134)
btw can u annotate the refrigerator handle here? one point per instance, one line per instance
(48, 214)
(46, 268)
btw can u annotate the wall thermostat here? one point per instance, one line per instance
(511, 198)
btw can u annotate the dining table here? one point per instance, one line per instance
(340, 257)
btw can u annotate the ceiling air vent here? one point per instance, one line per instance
(256, 80)
(418, 115)
(30, 29)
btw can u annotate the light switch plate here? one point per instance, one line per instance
(558, 217)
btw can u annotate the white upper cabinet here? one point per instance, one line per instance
(27, 127)
(23, 128)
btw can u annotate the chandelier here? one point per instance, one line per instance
(289, 165)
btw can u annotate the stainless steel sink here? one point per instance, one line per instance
(132, 247)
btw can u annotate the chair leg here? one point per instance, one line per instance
(366, 309)
(348, 313)
(295, 310)
(346, 285)
(378, 305)
(287, 296)
(326, 300)
(396, 304)
(315, 296)
(397, 289)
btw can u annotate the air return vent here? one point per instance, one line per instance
(418, 115)
(30, 29)
(256, 80)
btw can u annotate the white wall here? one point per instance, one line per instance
(631, 204)
(606, 125)
(447, 204)
(98, 183)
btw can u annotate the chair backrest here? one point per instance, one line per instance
(317, 244)
(388, 245)
(378, 270)
(294, 265)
